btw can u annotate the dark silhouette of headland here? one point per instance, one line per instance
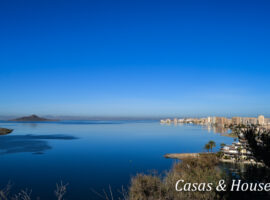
(32, 118)
(5, 131)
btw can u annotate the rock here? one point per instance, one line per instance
(5, 131)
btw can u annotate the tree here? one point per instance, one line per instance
(259, 142)
(207, 147)
(212, 144)
(222, 145)
(239, 150)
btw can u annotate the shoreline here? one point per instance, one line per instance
(181, 156)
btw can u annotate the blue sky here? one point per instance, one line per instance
(135, 58)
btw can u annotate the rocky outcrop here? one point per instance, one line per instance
(5, 131)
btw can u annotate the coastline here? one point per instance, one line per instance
(182, 156)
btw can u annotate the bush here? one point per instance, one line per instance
(194, 170)
(226, 158)
(219, 154)
(146, 187)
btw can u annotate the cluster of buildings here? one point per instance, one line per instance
(221, 121)
(238, 151)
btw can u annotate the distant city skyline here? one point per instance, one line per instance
(135, 58)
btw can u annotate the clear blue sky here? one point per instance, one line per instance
(134, 58)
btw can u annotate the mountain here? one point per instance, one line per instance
(32, 118)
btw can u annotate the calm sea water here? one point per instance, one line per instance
(91, 155)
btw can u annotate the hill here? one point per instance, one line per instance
(32, 118)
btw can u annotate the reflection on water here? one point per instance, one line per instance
(217, 129)
(209, 128)
(36, 144)
(220, 129)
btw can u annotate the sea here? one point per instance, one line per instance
(93, 157)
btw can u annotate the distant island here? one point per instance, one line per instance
(32, 118)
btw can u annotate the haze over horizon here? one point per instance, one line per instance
(134, 58)
(89, 117)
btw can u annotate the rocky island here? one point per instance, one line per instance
(5, 131)
(32, 118)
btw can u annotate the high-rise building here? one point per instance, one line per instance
(214, 120)
(229, 121)
(236, 120)
(221, 120)
(261, 120)
(249, 120)
(266, 121)
(204, 120)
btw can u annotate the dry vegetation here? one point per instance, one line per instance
(5, 193)
(195, 170)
